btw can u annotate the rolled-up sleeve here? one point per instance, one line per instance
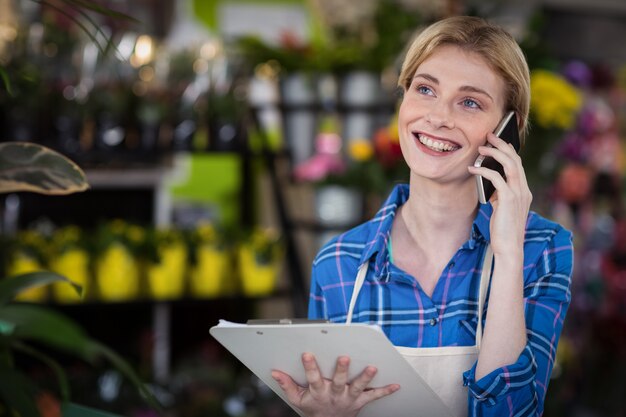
(519, 389)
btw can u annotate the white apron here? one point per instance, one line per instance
(442, 367)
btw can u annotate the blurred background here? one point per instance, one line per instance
(225, 141)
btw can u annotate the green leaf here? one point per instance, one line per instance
(17, 392)
(109, 43)
(36, 323)
(6, 328)
(94, 7)
(10, 287)
(31, 167)
(126, 370)
(64, 386)
(82, 7)
(5, 80)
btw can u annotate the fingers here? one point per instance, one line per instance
(289, 386)
(364, 395)
(340, 378)
(336, 396)
(362, 381)
(506, 155)
(501, 144)
(377, 393)
(312, 372)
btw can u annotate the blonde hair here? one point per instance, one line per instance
(496, 46)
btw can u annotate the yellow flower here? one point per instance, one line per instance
(393, 129)
(31, 238)
(206, 232)
(554, 101)
(67, 234)
(117, 226)
(135, 233)
(23, 264)
(360, 150)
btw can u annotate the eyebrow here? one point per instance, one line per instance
(467, 88)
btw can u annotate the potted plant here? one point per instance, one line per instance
(117, 269)
(29, 329)
(210, 262)
(166, 264)
(70, 258)
(259, 257)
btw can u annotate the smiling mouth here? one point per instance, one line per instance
(436, 145)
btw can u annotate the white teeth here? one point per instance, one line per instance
(436, 145)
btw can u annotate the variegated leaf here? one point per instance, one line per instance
(30, 167)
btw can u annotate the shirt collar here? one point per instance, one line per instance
(380, 226)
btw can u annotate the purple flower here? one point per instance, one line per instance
(578, 73)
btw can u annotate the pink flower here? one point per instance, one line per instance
(327, 159)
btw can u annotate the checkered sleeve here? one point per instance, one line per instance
(317, 301)
(520, 388)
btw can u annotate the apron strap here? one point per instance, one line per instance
(358, 283)
(485, 278)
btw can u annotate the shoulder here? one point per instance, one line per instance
(542, 230)
(343, 254)
(349, 244)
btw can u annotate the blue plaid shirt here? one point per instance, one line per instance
(392, 299)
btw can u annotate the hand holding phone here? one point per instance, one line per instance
(507, 131)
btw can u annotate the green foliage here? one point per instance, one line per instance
(291, 58)
(34, 168)
(5, 81)
(391, 29)
(30, 167)
(373, 47)
(78, 11)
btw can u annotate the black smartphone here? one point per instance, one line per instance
(507, 130)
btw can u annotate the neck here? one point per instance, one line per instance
(439, 215)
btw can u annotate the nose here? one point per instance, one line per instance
(440, 116)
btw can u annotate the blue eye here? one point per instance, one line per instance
(468, 102)
(422, 89)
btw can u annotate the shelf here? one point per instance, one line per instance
(127, 178)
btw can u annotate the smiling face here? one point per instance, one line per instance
(453, 101)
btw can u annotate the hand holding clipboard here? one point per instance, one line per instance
(267, 347)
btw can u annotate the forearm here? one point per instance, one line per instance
(525, 316)
(504, 334)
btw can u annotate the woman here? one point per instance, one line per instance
(416, 268)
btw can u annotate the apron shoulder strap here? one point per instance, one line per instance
(358, 283)
(485, 278)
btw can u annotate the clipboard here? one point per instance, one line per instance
(265, 347)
